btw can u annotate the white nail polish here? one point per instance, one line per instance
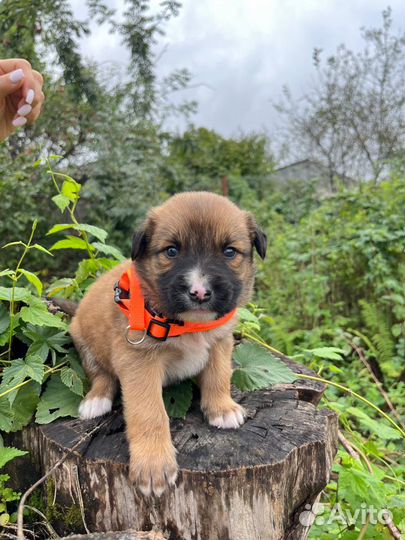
(30, 96)
(16, 76)
(24, 110)
(19, 121)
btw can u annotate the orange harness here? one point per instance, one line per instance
(129, 298)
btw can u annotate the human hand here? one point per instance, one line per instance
(21, 95)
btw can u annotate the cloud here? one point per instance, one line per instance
(241, 52)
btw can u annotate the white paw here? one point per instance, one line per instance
(229, 420)
(92, 407)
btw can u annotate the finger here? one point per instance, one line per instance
(30, 76)
(32, 98)
(11, 64)
(19, 121)
(30, 87)
(11, 82)
(29, 113)
(38, 77)
(36, 111)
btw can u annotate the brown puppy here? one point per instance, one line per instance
(194, 257)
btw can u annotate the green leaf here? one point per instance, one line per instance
(357, 485)
(7, 494)
(106, 264)
(76, 364)
(109, 250)
(178, 398)
(32, 278)
(57, 401)
(60, 227)
(4, 519)
(8, 453)
(13, 375)
(20, 294)
(25, 405)
(43, 340)
(35, 368)
(6, 415)
(61, 201)
(97, 232)
(4, 318)
(7, 272)
(330, 353)
(41, 248)
(259, 368)
(247, 316)
(39, 315)
(71, 379)
(10, 244)
(333, 369)
(92, 268)
(31, 367)
(379, 428)
(71, 242)
(60, 285)
(396, 329)
(71, 189)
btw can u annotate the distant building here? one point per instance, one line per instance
(307, 170)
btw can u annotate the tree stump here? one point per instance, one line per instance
(250, 483)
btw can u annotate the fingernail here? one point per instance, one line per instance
(30, 96)
(16, 76)
(24, 110)
(19, 121)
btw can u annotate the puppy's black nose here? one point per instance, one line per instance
(199, 294)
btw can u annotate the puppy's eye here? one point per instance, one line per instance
(171, 252)
(229, 252)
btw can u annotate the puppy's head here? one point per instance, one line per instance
(194, 255)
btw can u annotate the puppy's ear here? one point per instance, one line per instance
(138, 244)
(141, 239)
(259, 238)
(260, 242)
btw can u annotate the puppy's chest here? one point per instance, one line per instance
(189, 357)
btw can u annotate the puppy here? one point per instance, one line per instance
(194, 260)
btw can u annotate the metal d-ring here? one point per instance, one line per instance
(130, 340)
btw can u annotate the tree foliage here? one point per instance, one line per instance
(352, 119)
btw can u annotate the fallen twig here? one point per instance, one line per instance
(378, 383)
(20, 513)
(349, 449)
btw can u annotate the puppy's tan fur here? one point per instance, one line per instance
(98, 330)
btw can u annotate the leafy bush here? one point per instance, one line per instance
(335, 278)
(41, 376)
(329, 296)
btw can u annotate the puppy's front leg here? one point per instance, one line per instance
(215, 385)
(153, 463)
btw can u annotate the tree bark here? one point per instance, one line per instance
(250, 483)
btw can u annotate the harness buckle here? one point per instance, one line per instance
(154, 322)
(117, 293)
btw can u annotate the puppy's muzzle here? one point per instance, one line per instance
(199, 294)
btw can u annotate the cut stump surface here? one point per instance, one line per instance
(245, 484)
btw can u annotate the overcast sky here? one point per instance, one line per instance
(241, 52)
